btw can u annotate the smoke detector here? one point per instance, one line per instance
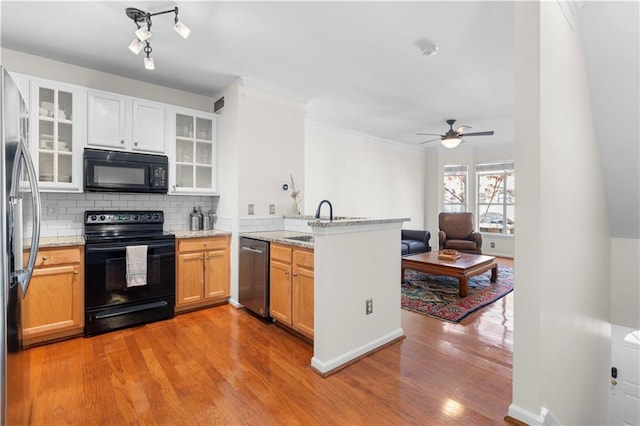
(427, 47)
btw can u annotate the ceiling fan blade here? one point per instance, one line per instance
(487, 133)
(431, 140)
(430, 134)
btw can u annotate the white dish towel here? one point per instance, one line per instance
(136, 266)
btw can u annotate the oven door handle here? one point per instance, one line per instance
(120, 247)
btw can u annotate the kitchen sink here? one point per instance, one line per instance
(305, 238)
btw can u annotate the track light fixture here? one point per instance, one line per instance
(143, 32)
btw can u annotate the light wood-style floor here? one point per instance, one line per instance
(223, 366)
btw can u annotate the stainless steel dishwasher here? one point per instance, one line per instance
(253, 280)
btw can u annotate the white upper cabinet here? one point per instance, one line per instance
(122, 122)
(106, 123)
(57, 125)
(192, 152)
(148, 126)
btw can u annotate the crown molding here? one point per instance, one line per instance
(388, 143)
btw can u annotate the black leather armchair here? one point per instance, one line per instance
(414, 241)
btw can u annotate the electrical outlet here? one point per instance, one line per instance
(272, 209)
(493, 244)
(369, 306)
(52, 209)
(250, 209)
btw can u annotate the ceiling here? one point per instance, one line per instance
(359, 65)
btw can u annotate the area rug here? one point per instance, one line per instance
(437, 296)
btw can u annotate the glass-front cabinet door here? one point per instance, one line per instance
(56, 123)
(194, 158)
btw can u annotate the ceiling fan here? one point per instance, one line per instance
(453, 138)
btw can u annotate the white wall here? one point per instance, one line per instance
(562, 253)
(271, 147)
(363, 176)
(625, 282)
(344, 256)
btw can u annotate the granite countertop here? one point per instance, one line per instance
(198, 234)
(351, 221)
(281, 237)
(45, 242)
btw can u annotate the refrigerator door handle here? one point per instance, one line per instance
(23, 276)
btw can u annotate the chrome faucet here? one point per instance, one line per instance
(330, 209)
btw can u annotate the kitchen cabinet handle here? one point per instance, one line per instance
(75, 272)
(135, 143)
(44, 258)
(286, 272)
(201, 257)
(122, 141)
(295, 274)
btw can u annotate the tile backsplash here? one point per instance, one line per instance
(63, 214)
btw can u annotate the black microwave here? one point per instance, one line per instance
(117, 171)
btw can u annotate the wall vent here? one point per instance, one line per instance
(218, 105)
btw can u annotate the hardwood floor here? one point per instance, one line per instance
(224, 366)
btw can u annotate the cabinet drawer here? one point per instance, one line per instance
(194, 244)
(302, 257)
(50, 256)
(280, 252)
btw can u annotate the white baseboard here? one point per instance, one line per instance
(545, 418)
(525, 416)
(340, 360)
(235, 303)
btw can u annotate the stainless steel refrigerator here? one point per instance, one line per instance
(19, 230)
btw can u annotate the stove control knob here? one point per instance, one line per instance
(135, 217)
(102, 217)
(93, 217)
(148, 217)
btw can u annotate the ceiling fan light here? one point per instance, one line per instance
(143, 34)
(181, 29)
(136, 46)
(451, 142)
(148, 64)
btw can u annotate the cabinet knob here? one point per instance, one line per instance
(295, 274)
(122, 141)
(286, 272)
(204, 244)
(201, 257)
(75, 272)
(44, 258)
(135, 143)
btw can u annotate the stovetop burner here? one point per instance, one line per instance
(103, 226)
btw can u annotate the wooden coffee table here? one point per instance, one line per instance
(468, 265)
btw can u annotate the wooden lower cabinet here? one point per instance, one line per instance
(202, 272)
(291, 287)
(54, 305)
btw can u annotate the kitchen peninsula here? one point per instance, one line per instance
(355, 260)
